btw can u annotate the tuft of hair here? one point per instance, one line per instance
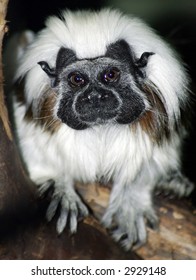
(88, 34)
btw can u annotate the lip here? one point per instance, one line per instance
(98, 116)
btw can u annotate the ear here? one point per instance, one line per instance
(64, 58)
(50, 72)
(120, 50)
(143, 60)
(141, 63)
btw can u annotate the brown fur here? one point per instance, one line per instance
(155, 121)
(42, 112)
(46, 117)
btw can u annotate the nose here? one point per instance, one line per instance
(97, 102)
(102, 99)
(95, 98)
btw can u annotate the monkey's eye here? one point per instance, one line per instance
(76, 79)
(111, 75)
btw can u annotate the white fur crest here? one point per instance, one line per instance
(88, 34)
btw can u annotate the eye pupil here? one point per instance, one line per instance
(76, 80)
(111, 75)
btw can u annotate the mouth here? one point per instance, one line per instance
(84, 112)
(83, 121)
(97, 115)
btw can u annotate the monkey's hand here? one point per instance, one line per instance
(71, 207)
(127, 222)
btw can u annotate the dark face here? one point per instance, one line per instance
(99, 90)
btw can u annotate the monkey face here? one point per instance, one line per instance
(99, 90)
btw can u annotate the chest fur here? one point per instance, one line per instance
(102, 152)
(109, 152)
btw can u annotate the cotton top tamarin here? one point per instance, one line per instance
(99, 96)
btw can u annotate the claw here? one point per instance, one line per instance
(52, 208)
(45, 187)
(73, 222)
(70, 205)
(62, 221)
(130, 230)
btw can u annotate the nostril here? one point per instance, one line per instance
(90, 98)
(93, 98)
(105, 96)
(96, 99)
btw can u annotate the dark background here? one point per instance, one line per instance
(32, 14)
(174, 20)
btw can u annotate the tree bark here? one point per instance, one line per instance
(3, 110)
(16, 190)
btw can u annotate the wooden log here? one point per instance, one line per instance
(176, 236)
(14, 182)
(39, 241)
(36, 239)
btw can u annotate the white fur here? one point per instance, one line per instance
(85, 155)
(119, 153)
(97, 30)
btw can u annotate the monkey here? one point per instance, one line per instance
(100, 96)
